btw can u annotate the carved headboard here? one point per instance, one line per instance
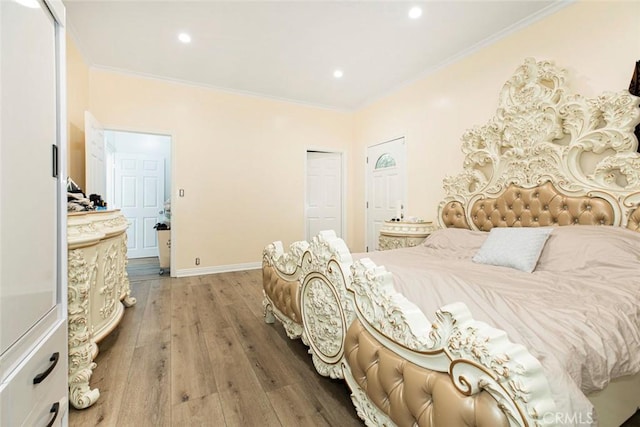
(548, 157)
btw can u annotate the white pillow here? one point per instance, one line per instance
(515, 247)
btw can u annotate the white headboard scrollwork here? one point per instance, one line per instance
(542, 133)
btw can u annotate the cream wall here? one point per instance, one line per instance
(77, 103)
(239, 159)
(598, 42)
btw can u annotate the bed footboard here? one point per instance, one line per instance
(402, 369)
(383, 381)
(281, 285)
(407, 351)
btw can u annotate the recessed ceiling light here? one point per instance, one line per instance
(338, 74)
(415, 12)
(184, 38)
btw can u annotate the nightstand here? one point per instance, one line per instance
(396, 234)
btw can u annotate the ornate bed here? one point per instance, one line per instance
(547, 158)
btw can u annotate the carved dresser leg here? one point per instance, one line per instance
(80, 370)
(81, 349)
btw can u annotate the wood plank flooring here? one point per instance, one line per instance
(195, 351)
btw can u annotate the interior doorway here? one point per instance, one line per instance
(386, 186)
(324, 193)
(139, 184)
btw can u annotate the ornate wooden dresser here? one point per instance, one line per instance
(98, 291)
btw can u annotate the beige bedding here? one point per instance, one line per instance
(578, 312)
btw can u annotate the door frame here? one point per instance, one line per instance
(343, 188)
(173, 190)
(366, 184)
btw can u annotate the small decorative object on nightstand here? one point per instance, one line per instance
(399, 234)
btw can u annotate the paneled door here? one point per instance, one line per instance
(324, 193)
(386, 186)
(138, 193)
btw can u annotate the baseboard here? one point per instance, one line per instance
(201, 271)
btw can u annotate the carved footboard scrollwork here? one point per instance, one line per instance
(477, 357)
(306, 289)
(359, 328)
(327, 310)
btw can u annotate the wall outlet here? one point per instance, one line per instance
(197, 261)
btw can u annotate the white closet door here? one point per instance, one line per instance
(324, 193)
(28, 132)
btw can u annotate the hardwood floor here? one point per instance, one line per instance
(196, 352)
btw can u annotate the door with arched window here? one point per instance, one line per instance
(386, 186)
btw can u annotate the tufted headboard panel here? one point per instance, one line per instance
(531, 207)
(634, 220)
(453, 216)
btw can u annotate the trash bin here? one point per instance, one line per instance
(164, 246)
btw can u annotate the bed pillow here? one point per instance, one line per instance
(589, 247)
(456, 239)
(514, 247)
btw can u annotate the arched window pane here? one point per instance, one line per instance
(385, 161)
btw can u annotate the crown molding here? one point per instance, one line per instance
(193, 84)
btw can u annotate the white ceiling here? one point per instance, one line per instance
(290, 49)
